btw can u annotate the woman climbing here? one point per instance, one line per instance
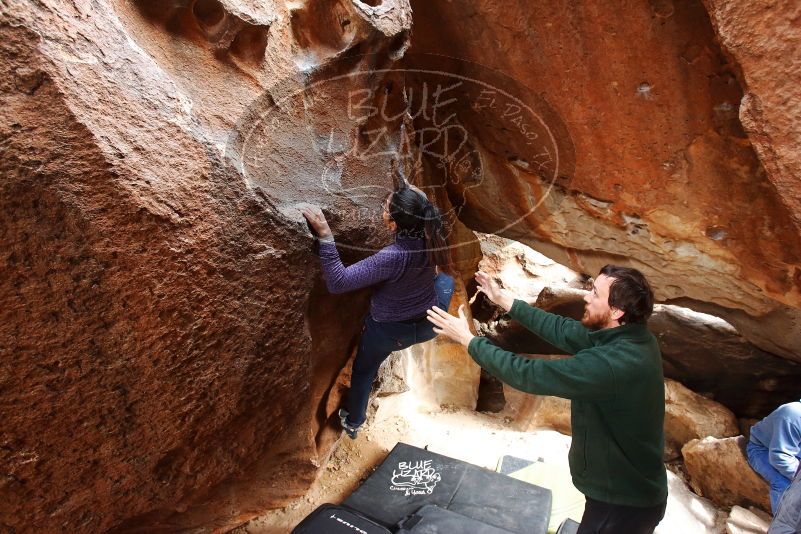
(403, 275)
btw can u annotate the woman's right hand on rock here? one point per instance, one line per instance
(488, 286)
(317, 220)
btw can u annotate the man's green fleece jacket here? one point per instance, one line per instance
(617, 389)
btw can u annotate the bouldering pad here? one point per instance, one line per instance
(410, 478)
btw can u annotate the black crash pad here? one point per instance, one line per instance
(411, 478)
(334, 519)
(431, 519)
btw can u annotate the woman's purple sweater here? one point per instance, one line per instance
(403, 277)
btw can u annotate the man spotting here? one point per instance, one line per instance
(616, 386)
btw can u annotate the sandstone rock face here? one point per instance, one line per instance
(171, 358)
(664, 177)
(168, 350)
(690, 416)
(710, 356)
(523, 270)
(764, 40)
(719, 471)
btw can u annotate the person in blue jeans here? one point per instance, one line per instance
(787, 519)
(406, 281)
(774, 449)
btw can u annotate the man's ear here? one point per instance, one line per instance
(616, 314)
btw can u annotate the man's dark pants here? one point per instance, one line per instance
(603, 518)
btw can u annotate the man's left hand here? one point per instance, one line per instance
(456, 328)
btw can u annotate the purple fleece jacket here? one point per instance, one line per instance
(403, 277)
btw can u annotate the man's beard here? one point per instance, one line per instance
(595, 322)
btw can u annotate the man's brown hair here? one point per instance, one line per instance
(629, 292)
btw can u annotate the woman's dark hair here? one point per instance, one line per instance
(415, 216)
(629, 292)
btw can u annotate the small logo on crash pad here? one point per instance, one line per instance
(415, 478)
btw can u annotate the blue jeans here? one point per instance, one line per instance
(758, 457)
(379, 340)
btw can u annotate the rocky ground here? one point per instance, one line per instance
(479, 438)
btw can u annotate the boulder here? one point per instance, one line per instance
(697, 348)
(691, 416)
(719, 471)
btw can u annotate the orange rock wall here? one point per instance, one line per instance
(167, 348)
(169, 355)
(665, 176)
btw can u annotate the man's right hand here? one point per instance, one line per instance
(490, 287)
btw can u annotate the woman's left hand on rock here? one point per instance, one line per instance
(317, 220)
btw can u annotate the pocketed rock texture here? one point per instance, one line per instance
(764, 39)
(170, 357)
(168, 350)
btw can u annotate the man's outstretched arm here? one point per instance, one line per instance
(584, 376)
(564, 333)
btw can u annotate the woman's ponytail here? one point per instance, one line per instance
(436, 244)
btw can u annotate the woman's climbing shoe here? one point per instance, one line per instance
(350, 429)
